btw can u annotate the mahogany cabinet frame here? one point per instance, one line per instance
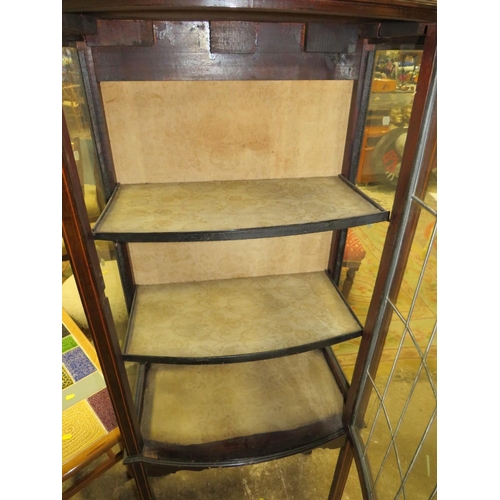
(106, 55)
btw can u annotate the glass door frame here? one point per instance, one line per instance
(417, 163)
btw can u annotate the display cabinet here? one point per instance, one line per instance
(227, 141)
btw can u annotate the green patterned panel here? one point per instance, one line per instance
(68, 343)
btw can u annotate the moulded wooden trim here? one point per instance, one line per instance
(425, 10)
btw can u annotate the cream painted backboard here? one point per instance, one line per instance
(154, 263)
(188, 131)
(193, 131)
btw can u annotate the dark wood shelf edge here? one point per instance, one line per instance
(335, 440)
(353, 314)
(243, 234)
(364, 195)
(240, 358)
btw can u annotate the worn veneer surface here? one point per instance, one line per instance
(238, 316)
(178, 131)
(197, 406)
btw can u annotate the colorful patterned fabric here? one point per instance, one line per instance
(66, 379)
(78, 364)
(80, 427)
(101, 404)
(68, 343)
(354, 250)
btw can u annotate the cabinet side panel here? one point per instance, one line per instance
(155, 263)
(190, 131)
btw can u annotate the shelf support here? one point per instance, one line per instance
(354, 136)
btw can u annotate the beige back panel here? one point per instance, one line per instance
(226, 130)
(155, 263)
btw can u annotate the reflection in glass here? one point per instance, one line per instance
(132, 369)
(414, 420)
(391, 100)
(418, 289)
(398, 431)
(406, 377)
(71, 301)
(78, 122)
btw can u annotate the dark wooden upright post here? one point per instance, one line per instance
(359, 106)
(85, 264)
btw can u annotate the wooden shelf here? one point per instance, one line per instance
(232, 414)
(227, 210)
(232, 320)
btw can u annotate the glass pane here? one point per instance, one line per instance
(79, 126)
(414, 421)
(379, 440)
(388, 115)
(425, 305)
(71, 301)
(78, 121)
(362, 255)
(389, 480)
(113, 289)
(399, 386)
(357, 280)
(407, 387)
(422, 478)
(392, 346)
(132, 370)
(346, 353)
(424, 314)
(389, 109)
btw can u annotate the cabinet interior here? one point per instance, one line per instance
(195, 131)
